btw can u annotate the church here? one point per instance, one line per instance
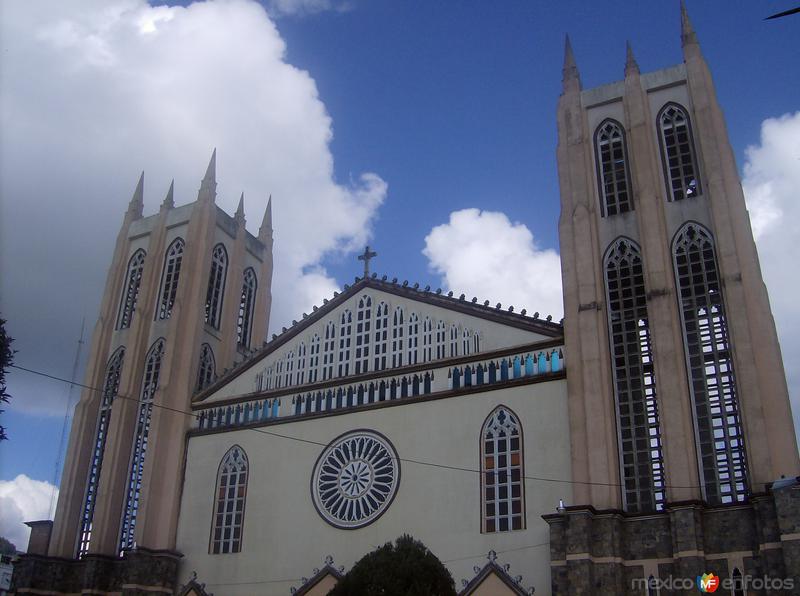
(643, 441)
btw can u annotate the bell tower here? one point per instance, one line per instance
(187, 296)
(677, 390)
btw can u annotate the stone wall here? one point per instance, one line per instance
(137, 573)
(603, 553)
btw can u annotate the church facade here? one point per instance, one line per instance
(643, 441)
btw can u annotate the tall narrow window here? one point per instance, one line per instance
(345, 337)
(130, 293)
(152, 370)
(301, 363)
(453, 341)
(502, 489)
(466, 342)
(427, 340)
(230, 496)
(641, 453)
(279, 374)
(709, 360)
(440, 340)
(313, 360)
(329, 348)
(397, 337)
(363, 333)
(110, 389)
(244, 326)
(381, 335)
(169, 279)
(288, 380)
(678, 153)
(207, 371)
(612, 169)
(216, 285)
(413, 338)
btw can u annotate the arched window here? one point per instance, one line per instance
(397, 337)
(328, 351)
(737, 589)
(216, 285)
(453, 341)
(678, 153)
(381, 335)
(641, 454)
(301, 363)
(230, 496)
(244, 324)
(110, 389)
(612, 169)
(207, 371)
(466, 342)
(413, 338)
(427, 340)
(345, 337)
(279, 374)
(712, 381)
(169, 279)
(363, 333)
(477, 341)
(130, 293)
(440, 340)
(313, 359)
(502, 488)
(288, 380)
(152, 370)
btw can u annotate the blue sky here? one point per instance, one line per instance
(450, 104)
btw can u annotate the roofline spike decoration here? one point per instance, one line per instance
(569, 73)
(169, 199)
(136, 205)
(631, 66)
(265, 230)
(520, 320)
(240, 209)
(688, 36)
(208, 186)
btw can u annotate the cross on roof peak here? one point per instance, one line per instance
(368, 254)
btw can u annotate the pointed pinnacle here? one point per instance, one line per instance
(169, 201)
(136, 205)
(266, 224)
(211, 170)
(569, 73)
(240, 209)
(631, 66)
(688, 36)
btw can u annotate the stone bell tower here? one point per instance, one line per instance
(187, 295)
(676, 389)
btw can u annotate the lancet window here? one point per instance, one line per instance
(230, 496)
(440, 340)
(345, 338)
(328, 350)
(110, 389)
(413, 338)
(301, 363)
(247, 301)
(363, 333)
(678, 153)
(130, 293)
(427, 340)
(612, 169)
(381, 335)
(313, 359)
(207, 371)
(712, 380)
(288, 380)
(453, 341)
(152, 371)
(398, 326)
(216, 285)
(169, 279)
(640, 444)
(502, 486)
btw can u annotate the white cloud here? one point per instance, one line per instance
(23, 499)
(771, 182)
(482, 253)
(92, 92)
(306, 7)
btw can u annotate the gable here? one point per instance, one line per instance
(376, 325)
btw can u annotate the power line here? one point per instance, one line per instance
(311, 442)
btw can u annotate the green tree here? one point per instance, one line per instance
(405, 568)
(6, 360)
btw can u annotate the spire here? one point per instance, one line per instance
(169, 201)
(688, 36)
(136, 205)
(240, 210)
(265, 231)
(631, 67)
(570, 78)
(208, 187)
